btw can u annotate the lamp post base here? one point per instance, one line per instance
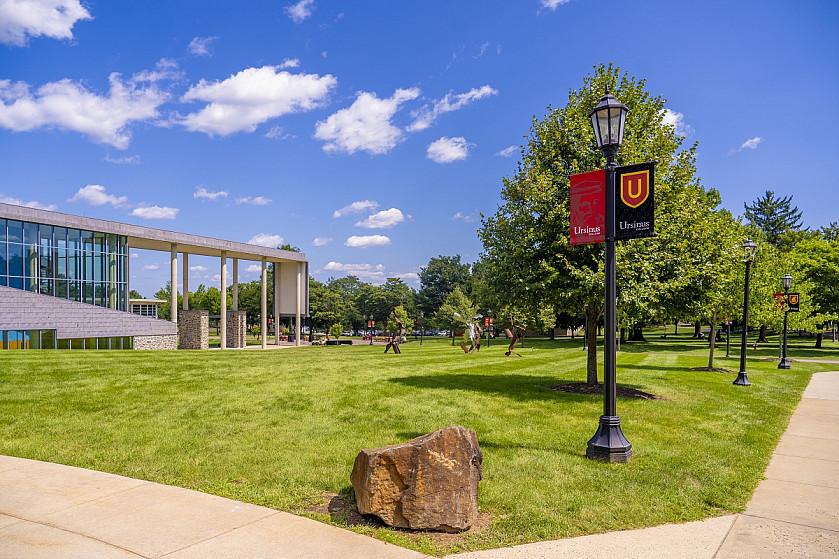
(608, 444)
(742, 379)
(784, 364)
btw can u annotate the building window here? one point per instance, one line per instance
(84, 266)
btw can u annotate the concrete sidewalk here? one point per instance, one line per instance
(60, 512)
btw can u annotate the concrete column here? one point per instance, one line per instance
(298, 331)
(186, 281)
(173, 303)
(264, 308)
(276, 286)
(223, 308)
(235, 284)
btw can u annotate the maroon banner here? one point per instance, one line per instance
(588, 207)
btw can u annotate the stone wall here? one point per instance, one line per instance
(237, 329)
(194, 329)
(168, 341)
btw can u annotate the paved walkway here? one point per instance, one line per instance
(49, 511)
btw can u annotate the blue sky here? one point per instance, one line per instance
(372, 134)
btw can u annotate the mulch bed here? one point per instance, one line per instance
(711, 370)
(622, 391)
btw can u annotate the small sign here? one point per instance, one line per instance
(794, 302)
(588, 207)
(486, 321)
(635, 201)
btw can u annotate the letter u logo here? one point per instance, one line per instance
(635, 188)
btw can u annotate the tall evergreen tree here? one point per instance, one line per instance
(774, 216)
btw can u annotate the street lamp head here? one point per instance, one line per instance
(749, 249)
(608, 119)
(786, 281)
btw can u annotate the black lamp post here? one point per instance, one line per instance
(371, 329)
(422, 328)
(749, 249)
(608, 444)
(786, 282)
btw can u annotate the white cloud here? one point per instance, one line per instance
(266, 240)
(301, 11)
(202, 192)
(356, 207)
(254, 200)
(164, 69)
(481, 50)
(322, 241)
(151, 267)
(553, 4)
(751, 143)
(677, 121)
(382, 219)
(155, 212)
(367, 241)
(426, 116)
(70, 106)
(31, 204)
(361, 271)
(135, 255)
(251, 97)
(277, 132)
(254, 269)
(506, 152)
(365, 125)
(200, 46)
(94, 194)
(290, 63)
(465, 218)
(197, 269)
(448, 150)
(127, 160)
(22, 19)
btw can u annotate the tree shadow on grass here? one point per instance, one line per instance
(518, 387)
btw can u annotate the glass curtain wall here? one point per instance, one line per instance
(84, 266)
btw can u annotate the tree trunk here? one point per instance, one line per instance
(552, 334)
(591, 360)
(697, 329)
(623, 335)
(638, 334)
(819, 337)
(762, 337)
(713, 337)
(676, 330)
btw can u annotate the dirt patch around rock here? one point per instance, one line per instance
(622, 391)
(711, 370)
(343, 511)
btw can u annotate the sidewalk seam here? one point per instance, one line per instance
(791, 523)
(728, 533)
(84, 536)
(168, 553)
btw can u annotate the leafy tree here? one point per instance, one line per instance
(335, 330)
(164, 310)
(134, 295)
(530, 262)
(818, 263)
(438, 279)
(457, 303)
(830, 232)
(326, 304)
(774, 216)
(349, 288)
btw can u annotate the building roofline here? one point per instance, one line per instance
(150, 238)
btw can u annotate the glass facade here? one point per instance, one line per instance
(45, 339)
(84, 266)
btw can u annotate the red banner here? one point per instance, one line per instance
(588, 207)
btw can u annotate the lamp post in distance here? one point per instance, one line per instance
(609, 444)
(371, 329)
(786, 282)
(749, 249)
(422, 328)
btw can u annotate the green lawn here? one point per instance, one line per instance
(281, 428)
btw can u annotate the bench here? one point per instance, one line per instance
(338, 342)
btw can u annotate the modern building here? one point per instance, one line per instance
(145, 307)
(64, 284)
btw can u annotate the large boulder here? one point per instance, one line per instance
(427, 483)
